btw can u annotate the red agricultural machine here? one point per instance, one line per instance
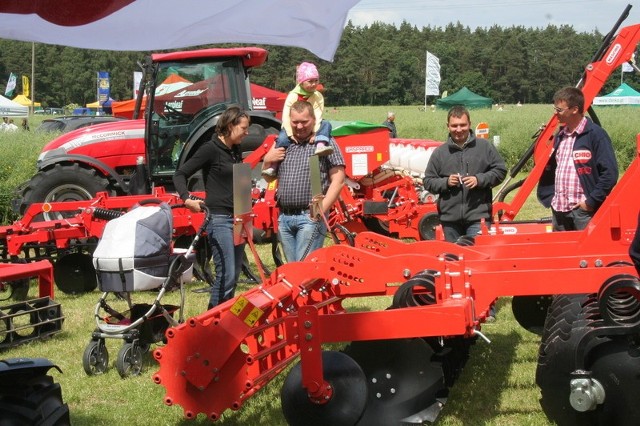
(440, 293)
(185, 93)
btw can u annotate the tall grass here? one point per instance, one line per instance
(496, 387)
(515, 125)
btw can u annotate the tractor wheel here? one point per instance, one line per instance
(68, 182)
(569, 318)
(129, 361)
(95, 359)
(344, 407)
(257, 134)
(28, 396)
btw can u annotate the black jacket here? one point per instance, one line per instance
(595, 163)
(477, 157)
(216, 161)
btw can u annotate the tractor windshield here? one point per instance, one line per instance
(187, 96)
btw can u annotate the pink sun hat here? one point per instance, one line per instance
(306, 71)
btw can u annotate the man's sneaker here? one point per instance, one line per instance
(322, 150)
(269, 172)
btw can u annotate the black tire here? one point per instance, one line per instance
(260, 237)
(33, 400)
(376, 225)
(14, 290)
(95, 359)
(257, 134)
(5, 329)
(74, 273)
(427, 226)
(63, 182)
(129, 361)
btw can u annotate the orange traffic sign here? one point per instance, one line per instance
(482, 130)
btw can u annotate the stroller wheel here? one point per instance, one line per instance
(95, 358)
(129, 362)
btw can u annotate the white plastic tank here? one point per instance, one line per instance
(407, 154)
(396, 149)
(418, 163)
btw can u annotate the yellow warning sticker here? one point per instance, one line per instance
(239, 305)
(245, 310)
(253, 317)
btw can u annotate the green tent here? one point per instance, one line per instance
(464, 97)
(623, 95)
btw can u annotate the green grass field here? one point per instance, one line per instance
(496, 387)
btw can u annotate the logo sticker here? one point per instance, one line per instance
(581, 156)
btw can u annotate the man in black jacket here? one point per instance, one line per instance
(462, 172)
(582, 170)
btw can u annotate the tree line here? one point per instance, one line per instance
(378, 64)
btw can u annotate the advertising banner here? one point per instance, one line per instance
(103, 87)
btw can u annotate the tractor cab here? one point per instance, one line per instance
(186, 93)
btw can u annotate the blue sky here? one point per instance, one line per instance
(583, 15)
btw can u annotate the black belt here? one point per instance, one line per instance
(293, 211)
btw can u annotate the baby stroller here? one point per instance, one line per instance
(135, 254)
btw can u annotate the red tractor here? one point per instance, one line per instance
(185, 93)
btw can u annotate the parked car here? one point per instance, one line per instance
(49, 111)
(72, 122)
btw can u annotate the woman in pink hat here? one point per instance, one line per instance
(308, 81)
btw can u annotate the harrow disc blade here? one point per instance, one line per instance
(531, 311)
(74, 273)
(346, 404)
(404, 384)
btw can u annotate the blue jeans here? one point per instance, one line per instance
(322, 135)
(300, 235)
(574, 220)
(454, 230)
(227, 258)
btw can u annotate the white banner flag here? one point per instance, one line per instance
(627, 67)
(137, 77)
(11, 85)
(432, 84)
(140, 25)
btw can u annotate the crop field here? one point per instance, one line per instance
(497, 385)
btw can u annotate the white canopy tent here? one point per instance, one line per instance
(8, 108)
